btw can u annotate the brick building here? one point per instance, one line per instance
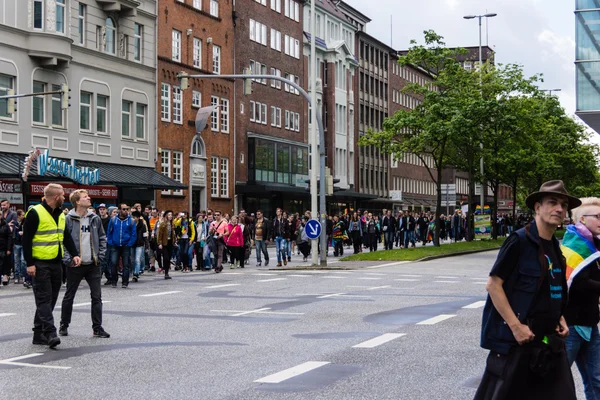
(196, 36)
(271, 132)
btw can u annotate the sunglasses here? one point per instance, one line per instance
(125, 209)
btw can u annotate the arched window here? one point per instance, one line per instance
(111, 35)
(197, 148)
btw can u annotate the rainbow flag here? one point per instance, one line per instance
(577, 246)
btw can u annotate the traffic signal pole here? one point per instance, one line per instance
(183, 77)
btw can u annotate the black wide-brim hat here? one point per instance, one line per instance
(552, 188)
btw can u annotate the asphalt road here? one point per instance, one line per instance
(401, 331)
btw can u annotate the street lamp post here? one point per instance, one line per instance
(482, 193)
(550, 91)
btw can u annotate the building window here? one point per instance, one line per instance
(60, 16)
(177, 168)
(140, 121)
(297, 122)
(278, 117)
(165, 102)
(216, 59)
(38, 103)
(214, 8)
(197, 53)
(197, 148)
(275, 39)
(197, 4)
(176, 46)
(101, 113)
(276, 5)
(224, 115)
(81, 23)
(111, 34)
(214, 176)
(177, 105)
(138, 42)
(57, 111)
(38, 14)
(263, 113)
(126, 119)
(196, 99)
(165, 165)
(214, 117)
(85, 111)
(258, 32)
(224, 177)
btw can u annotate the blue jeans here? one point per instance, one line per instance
(20, 267)
(261, 246)
(280, 247)
(182, 254)
(138, 264)
(409, 237)
(587, 356)
(206, 257)
(124, 252)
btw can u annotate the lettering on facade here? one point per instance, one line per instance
(82, 175)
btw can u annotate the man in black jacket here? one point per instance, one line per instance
(42, 265)
(6, 246)
(280, 234)
(388, 226)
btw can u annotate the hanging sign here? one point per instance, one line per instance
(47, 164)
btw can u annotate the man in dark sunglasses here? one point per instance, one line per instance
(121, 236)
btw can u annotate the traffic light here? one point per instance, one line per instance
(64, 96)
(330, 181)
(247, 82)
(183, 80)
(10, 102)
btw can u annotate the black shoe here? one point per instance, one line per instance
(168, 277)
(123, 286)
(114, 284)
(107, 283)
(53, 340)
(135, 278)
(40, 338)
(63, 330)
(218, 269)
(101, 333)
(152, 269)
(289, 259)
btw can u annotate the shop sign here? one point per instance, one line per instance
(95, 192)
(13, 198)
(7, 186)
(84, 176)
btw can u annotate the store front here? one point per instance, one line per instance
(107, 183)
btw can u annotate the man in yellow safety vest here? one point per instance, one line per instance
(44, 236)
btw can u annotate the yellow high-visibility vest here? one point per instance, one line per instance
(47, 241)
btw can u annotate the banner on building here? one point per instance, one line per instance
(202, 117)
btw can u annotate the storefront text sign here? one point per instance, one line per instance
(95, 192)
(82, 175)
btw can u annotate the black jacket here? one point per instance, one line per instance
(140, 230)
(6, 236)
(265, 229)
(280, 228)
(390, 222)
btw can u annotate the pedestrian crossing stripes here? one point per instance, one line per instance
(292, 372)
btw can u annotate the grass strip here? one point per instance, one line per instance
(419, 252)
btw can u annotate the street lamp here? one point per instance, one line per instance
(489, 15)
(550, 91)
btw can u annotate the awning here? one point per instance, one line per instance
(11, 166)
(263, 187)
(352, 194)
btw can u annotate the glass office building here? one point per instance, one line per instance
(587, 25)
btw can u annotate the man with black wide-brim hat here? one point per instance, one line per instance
(523, 324)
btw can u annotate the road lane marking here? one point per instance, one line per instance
(300, 276)
(272, 280)
(477, 304)
(407, 280)
(341, 272)
(479, 283)
(334, 277)
(379, 340)
(446, 277)
(479, 279)
(232, 273)
(160, 294)
(250, 312)
(411, 276)
(256, 312)
(387, 265)
(370, 279)
(330, 295)
(435, 320)
(221, 286)
(7, 314)
(445, 281)
(379, 287)
(89, 304)
(264, 274)
(292, 372)
(13, 362)
(375, 273)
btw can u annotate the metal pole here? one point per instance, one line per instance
(314, 148)
(482, 194)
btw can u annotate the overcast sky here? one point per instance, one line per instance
(538, 34)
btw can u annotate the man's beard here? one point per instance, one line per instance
(59, 203)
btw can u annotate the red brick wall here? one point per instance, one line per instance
(175, 15)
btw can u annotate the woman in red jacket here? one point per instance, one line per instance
(235, 243)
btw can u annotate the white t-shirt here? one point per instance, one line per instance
(85, 241)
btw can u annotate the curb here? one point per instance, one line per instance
(430, 258)
(314, 268)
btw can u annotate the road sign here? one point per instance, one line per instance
(313, 229)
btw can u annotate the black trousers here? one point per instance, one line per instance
(5, 265)
(372, 241)
(304, 248)
(236, 253)
(356, 241)
(167, 251)
(46, 286)
(93, 275)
